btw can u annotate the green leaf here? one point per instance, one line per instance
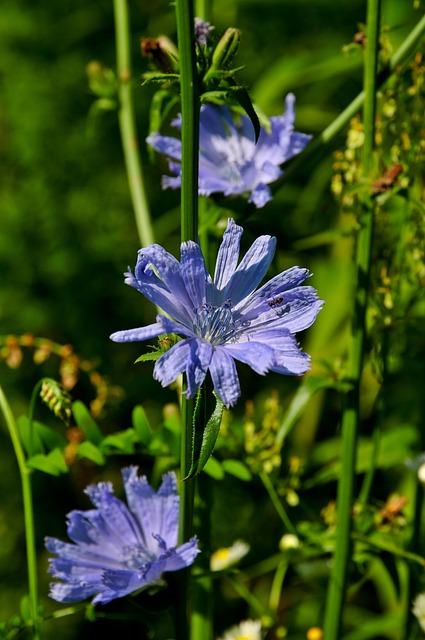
(214, 469)
(307, 389)
(242, 96)
(395, 447)
(86, 423)
(141, 425)
(31, 441)
(154, 76)
(91, 452)
(204, 433)
(41, 438)
(148, 357)
(24, 608)
(122, 441)
(238, 469)
(53, 463)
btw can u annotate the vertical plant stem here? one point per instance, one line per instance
(350, 418)
(190, 119)
(25, 474)
(204, 9)
(200, 625)
(276, 502)
(128, 125)
(189, 231)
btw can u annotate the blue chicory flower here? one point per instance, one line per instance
(120, 549)
(224, 319)
(230, 161)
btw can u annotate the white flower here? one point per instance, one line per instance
(418, 609)
(246, 630)
(227, 556)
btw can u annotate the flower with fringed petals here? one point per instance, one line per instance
(225, 318)
(230, 160)
(116, 549)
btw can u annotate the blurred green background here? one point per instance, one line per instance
(68, 230)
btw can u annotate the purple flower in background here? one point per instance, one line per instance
(120, 549)
(202, 29)
(223, 319)
(229, 160)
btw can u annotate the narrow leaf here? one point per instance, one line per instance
(122, 441)
(86, 423)
(148, 357)
(53, 463)
(242, 96)
(204, 433)
(91, 452)
(141, 425)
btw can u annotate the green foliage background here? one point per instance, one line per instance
(68, 234)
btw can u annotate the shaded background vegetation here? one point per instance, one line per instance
(68, 231)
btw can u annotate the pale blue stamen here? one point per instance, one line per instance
(215, 325)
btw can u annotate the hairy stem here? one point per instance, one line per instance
(350, 417)
(127, 124)
(25, 474)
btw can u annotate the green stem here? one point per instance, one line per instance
(189, 231)
(201, 626)
(127, 124)
(190, 107)
(25, 474)
(350, 418)
(203, 9)
(337, 125)
(276, 502)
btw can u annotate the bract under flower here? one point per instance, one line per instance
(230, 162)
(224, 318)
(118, 549)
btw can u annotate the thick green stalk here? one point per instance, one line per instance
(350, 418)
(189, 231)
(203, 9)
(127, 124)
(190, 119)
(25, 474)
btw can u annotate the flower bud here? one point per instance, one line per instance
(162, 52)
(226, 49)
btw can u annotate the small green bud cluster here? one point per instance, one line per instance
(57, 399)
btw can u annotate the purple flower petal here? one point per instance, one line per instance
(120, 549)
(228, 255)
(229, 160)
(227, 318)
(172, 363)
(225, 377)
(138, 334)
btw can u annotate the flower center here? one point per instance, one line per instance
(135, 556)
(214, 324)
